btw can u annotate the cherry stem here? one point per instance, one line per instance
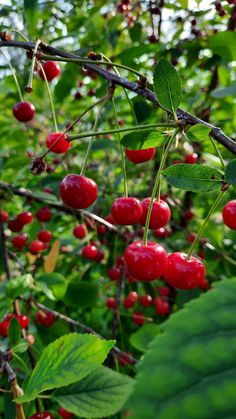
(202, 228)
(121, 152)
(157, 181)
(14, 76)
(50, 98)
(29, 87)
(218, 153)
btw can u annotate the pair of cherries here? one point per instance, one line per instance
(5, 324)
(46, 415)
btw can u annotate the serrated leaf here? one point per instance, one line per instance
(167, 85)
(19, 285)
(145, 334)
(193, 177)
(230, 173)
(14, 332)
(51, 259)
(102, 393)
(190, 367)
(143, 139)
(68, 359)
(198, 132)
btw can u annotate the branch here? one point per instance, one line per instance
(216, 132)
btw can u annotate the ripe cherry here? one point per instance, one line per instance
(46, 319)
(188, 215)
(161, 306)
(25, 217)
(191, 237)
(164, 291)
(15, 225)
(127, 211)
(100, 256)
(138, 318)
(110, 219)
(4, 325)
(114, 273)
(101, 229)
(19, 242)
(23, 111)
(80, 231)
(182, 272)
(160, 214)
(162, 233)
(229, 214)
(60, 146)
(78, 191)
(51, 70)
(111, 303)
(191, 158)
(89, 252)
(43, 415)
(140, 156)
(145, 263)
(36, 246)
(145, 300)
(131, 299)
(65, 414)
(22, 319)
(125, 358)
(43, 214)
(45, 236)
(204, 284)
(4, 216)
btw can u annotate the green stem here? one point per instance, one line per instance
(29, 87)
(202, 228)
(14, 77)
(50, 98)
(121, 152)
(157, 181)
(229, 259)
(218, 153)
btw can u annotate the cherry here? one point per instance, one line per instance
(229, 214)
(23, 111)
(22, 319)
(101, 229)
(114, 273)
(60, 146)
(161, 306)
(51, 70)
(15, 225)
(43, 415)
(193, 22)
(160, 214)
(89, 252)
(131, 279)
(188, 215)
(182, 272)
(145, 300)
(191, 237)
(191, 158)
(36, 246)
(153, 38)
(99, 256)
(25, 217)
(222, 12)
(65, 414)
(218, 6)
(78, 191)
(120, 261)
(80, 231)
(4, 216)
(45, 236)
(127, 211)
(46, 319)
(111, 303)
(155, 10)
(4, 325)
(145, 263)
(164, 291)
(131, 299)
(140, 156)
(162, 233)
(19, 241)
(204, 284)
(125, 358)
(43, 214)
(138, 318)
(110, 219)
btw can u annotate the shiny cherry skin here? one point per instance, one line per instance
(43, 415)
(51, 70)
(138, 318)
(101, 229)
(161, 306)
(60, 146)
(164, 291)
(191, 158)
(43, 214)
(4, 326)
(191, 237)
(65, 414)
(15, 225)
(45, 236)
(140, 156)
(19, 242)
(145, 263)
(160, 214)
(80, 231)
(127, 211)
(78, 191)
(23, 111)
(45, 319)
(36, 246)
(89, 252)
(114, 273)
(183, 273)
(229, 214)
(111, 303)
(162, 233)
(145, 300)
(4, 216)
(22, 319)
(131, 299)
(25, 217)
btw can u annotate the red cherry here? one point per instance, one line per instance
(131, 299)
(4, 325)
(15, 225)
(80, 231)
(43, 415)
(120, 261)
(46, 319)
(140, 156)
(153, 39)
(101, 229)
(127, 211)
(23, 111)
(160, 214)
(218, 6)
(51, 70)
(78, 191)
(182, 272)
(138, 318)
(65, 414)
(162, 233)
(36, 246)
(193, 22)
(89, 252)
(204, 284)
(19, 241)
(23, 320)
(114, 273)
(188, 215)
(191, 237)
(229, 214)
(145, 263)
(25, 217)
(164, 291)
(45, 236)
(131, 279)
(4, 216)
(110, 219)
(111, 303)
(99, 256)
(43, 214)
(125, 358)
(191, 158)
(161, 306)
(145, 300)
(60, 146)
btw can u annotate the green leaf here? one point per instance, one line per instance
(230, 173)
(189, 370)
(68, 359)
(224, 45)
(102, 393)
(81, 294)
(145, 334)
(143, 139)
(14, 332)
(183, 3)
(198, 133)
(220, 92)
(193, 177)
(19, 285)
(167, 85)
(55, 282)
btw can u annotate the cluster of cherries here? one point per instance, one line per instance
(219, 8)
(46, 415)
